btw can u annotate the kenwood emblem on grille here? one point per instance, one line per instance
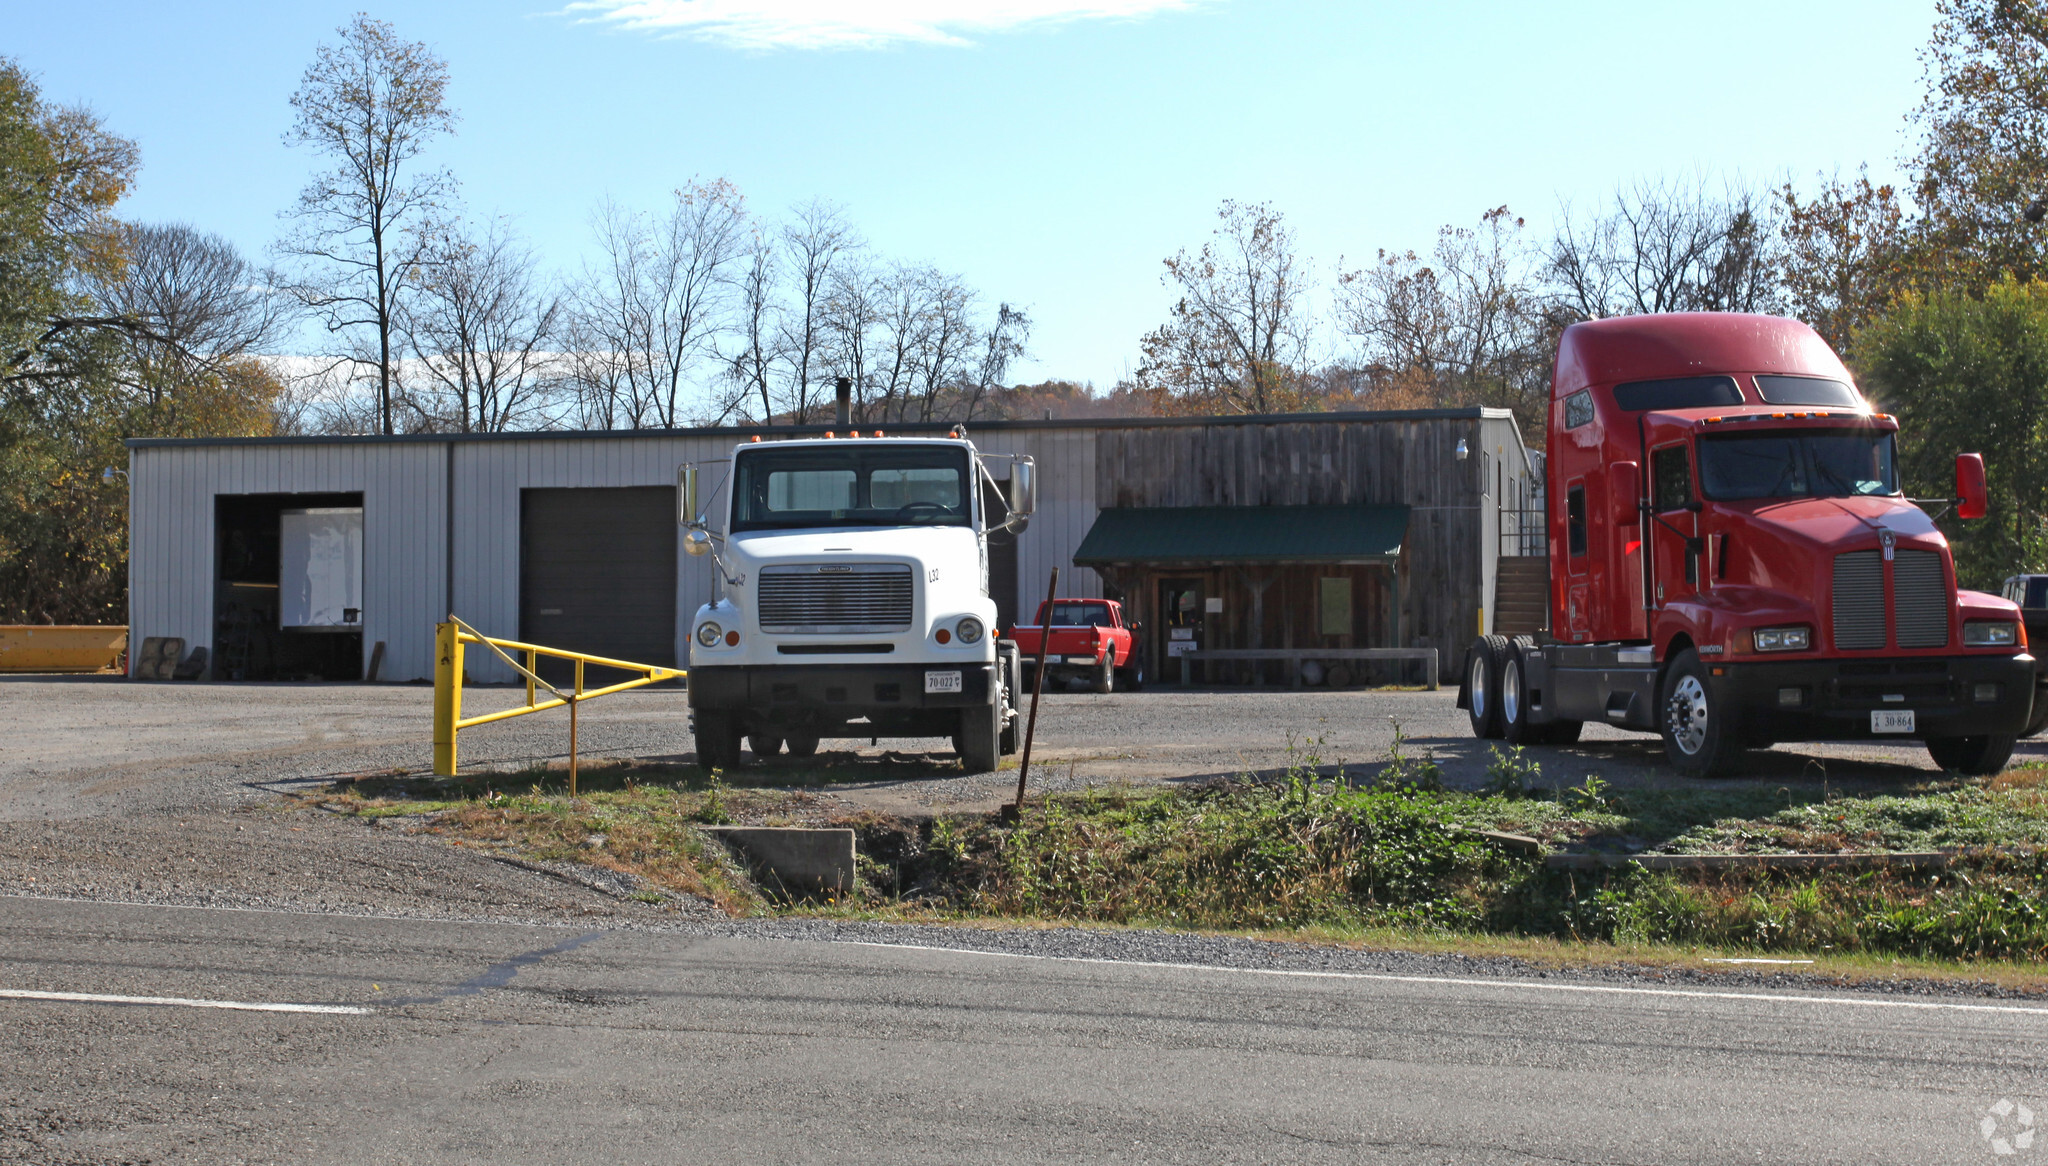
(1888, 540)
(835, 570)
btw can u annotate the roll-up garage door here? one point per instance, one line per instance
(597, 574)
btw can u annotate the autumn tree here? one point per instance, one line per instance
(1237, 338)
(1970, 373)
(370, 104)
(1983, 156)
(1848, 253)
(1468, 325)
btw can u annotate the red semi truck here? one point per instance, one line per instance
(1732, 562)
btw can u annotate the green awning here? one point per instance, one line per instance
(1245, 534)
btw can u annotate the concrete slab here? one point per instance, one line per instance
(805, 861)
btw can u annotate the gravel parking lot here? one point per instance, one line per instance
(170, 793)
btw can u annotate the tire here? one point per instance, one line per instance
(763, 745)
(1698, 739)
(718, 739)
(1979, 756)
(2038, 718)
(1105, 675)
(979, 739)
(803, 744)
(1515, 728)
(1482, 677)
(1132, 678)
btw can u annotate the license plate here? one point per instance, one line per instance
(1891, 720)
(1080, 659)
(942, 682)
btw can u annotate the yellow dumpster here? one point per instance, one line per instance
(59, 648)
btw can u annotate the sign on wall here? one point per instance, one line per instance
(320, 568)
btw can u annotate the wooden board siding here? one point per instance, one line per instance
(1306, 463)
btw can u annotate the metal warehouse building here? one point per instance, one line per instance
(298, 557)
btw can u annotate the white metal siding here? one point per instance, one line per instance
(171, 550)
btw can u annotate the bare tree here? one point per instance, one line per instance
(1468, 326)
(482, 328)
(372, 103)
(813, 241)
(750, 367)
(196, 302)
(655, 305)
(1239, 335)
(1005, 341)
(1668, 246)
(852, 315)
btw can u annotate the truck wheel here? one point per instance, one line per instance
(1697, 737)
(979, 739)
(1979, 756)
(803, 744)
(1131, 679)
(2038, 718)
(1482, 664)
(764, 746)
(1514, 701)
(718, 740)
(1105, 675)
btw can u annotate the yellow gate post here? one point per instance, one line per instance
(447, 695)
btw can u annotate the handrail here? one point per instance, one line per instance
(449, 639)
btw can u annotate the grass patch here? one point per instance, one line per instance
(1308, 858)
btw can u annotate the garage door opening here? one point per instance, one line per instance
(597, 574)
(287, 601)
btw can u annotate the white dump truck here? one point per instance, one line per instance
(852, 596)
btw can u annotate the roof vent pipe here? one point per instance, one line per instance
(844, 387)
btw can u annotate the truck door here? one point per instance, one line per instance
(1675, 533)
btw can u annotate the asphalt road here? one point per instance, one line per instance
(78, 746)
(496, 1043)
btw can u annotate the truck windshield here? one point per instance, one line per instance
(868, 484)
(1805, 464)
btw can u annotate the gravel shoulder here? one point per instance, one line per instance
(171, 794)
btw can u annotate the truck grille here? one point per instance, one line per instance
(1859, 600)
(1920, 599)
(835, 598)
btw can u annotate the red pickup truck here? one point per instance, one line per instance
(1090, 639)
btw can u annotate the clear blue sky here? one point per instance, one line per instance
(1052, 163)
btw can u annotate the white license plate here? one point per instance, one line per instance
(1080, 659)
(942, 682)
(1891, 720)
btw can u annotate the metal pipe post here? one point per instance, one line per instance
(1052, 590)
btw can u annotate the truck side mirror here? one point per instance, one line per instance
(686, 497)
(1972, 498)
(1624, 483)
(1023, 487)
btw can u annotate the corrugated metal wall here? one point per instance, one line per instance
(406, 590)
(171, 539)
(1403, 458)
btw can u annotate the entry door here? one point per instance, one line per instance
(597, 574)
(1677, 562)
(1182, 605)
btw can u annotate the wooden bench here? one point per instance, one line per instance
(1427, 655)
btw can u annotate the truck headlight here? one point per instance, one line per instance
(709, 633)
(1984, 633)
(1781, 639)
(969, 630)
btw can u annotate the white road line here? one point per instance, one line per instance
(180, 1002)
(1535, 985)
